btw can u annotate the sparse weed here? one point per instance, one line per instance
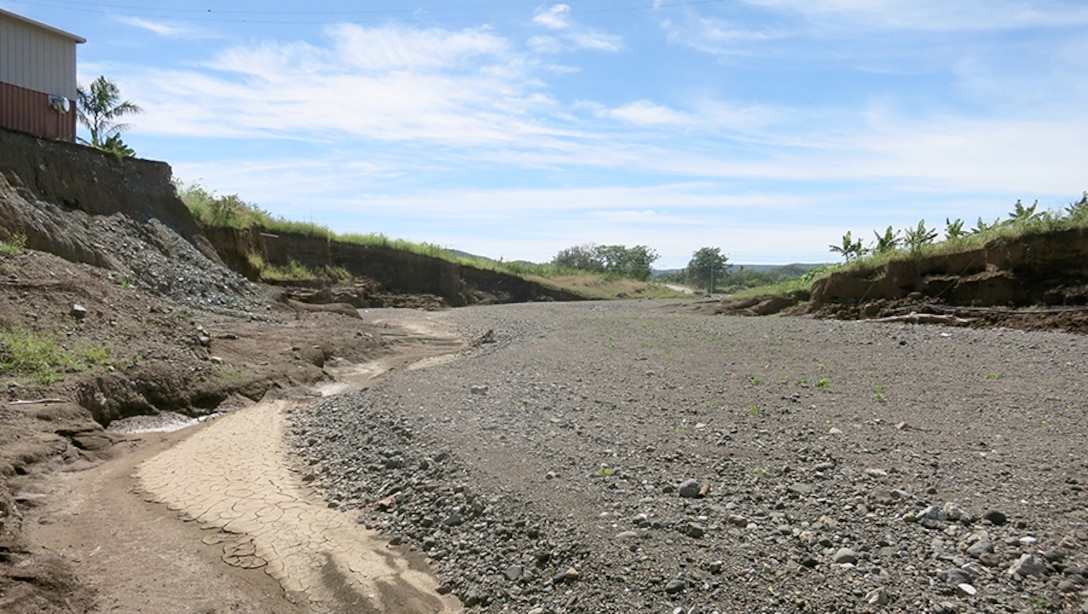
(993, 377)
(604, 471)
(755, 411)
(824, 384)
(13, 245)
(39, 356)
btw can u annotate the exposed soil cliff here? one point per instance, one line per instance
(392, 271)
(1041, 269)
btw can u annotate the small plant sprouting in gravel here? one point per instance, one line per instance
(803, 382)
(824, 384)
(993, 376)
(604, 471)
(755, 411)
(755, 380)
(762, 471)
(682, 431)
(879, 394)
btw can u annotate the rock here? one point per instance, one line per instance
(694, 529)
(675, 586)
(79, 312)
(690, 489)
(478, 389)
(982, 546)
(955, 577)
(966, 590)
(571, 574)
(877, 596)
(627, 535)
(1028, 565)
(845, 556)
(1055, 555)
(995, 517)
(514, 573)
(1068, 586)
(931, 513)
(989, 559)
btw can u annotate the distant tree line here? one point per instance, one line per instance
(619, 260)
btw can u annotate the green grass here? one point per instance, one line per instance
(13, 244)
(39, 357)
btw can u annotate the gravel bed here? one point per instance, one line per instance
(628, 457)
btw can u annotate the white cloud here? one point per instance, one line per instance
(554, 18)
(717, 36)
(568, 34)
(646, 113)
(160, 28)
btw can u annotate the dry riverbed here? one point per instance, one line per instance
(630, 457)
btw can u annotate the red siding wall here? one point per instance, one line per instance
(27, 110)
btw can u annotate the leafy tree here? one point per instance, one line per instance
(632, 262)
(1079, 209)
(1022, 215)
(581, 257)
(887, 242)
(707, 266)
(850, 249)
(981, 227)
(99, 108)
(918, 237)
(954, 229)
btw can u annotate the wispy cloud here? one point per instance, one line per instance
(568, 34)
(159, 27)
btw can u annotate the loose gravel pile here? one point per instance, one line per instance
(620, 457)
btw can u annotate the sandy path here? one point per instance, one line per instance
(234, 480)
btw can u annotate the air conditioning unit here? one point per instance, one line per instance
(60, 104)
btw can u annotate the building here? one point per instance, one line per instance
(37, 78)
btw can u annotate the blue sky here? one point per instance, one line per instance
(515, 129)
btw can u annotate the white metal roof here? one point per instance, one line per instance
(42, 26)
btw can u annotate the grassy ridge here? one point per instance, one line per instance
(211, 209)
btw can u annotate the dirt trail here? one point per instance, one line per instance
(255, 538)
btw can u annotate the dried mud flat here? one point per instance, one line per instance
(634, 457)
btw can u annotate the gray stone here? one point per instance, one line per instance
(1068, 586)
(845, 556)
(514, 572)
(931, 513)
(627, 535)
(995, 517)
(1028, 565)
(955, 577)
(675, 586)
(982, 546)
(690, 489)
(694, 529)
(79, 312)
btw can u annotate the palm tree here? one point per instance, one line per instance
(99, 109)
